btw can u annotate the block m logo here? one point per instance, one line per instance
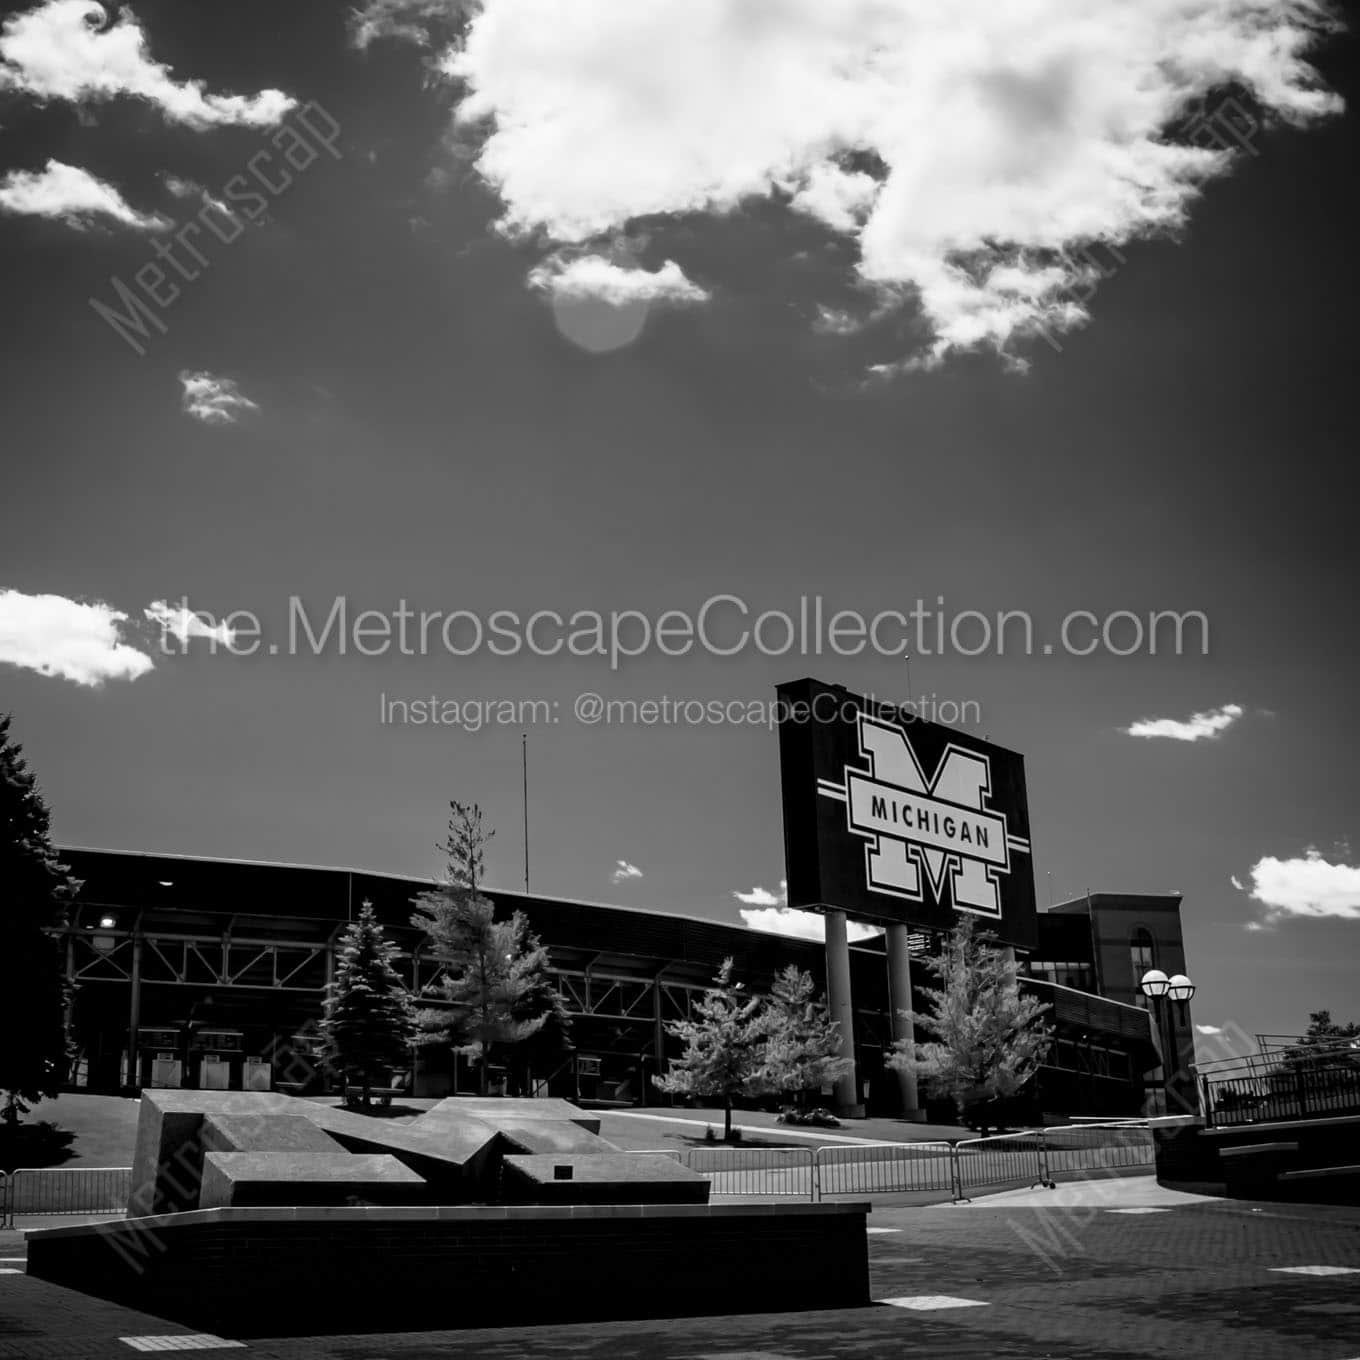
(920, 830)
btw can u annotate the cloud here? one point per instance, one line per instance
(1199, 726)
(1208, 1029)
(624, 871)
(188, 188)
(407, 20)
(183, 623)
(69, 194)
(213, 400)
(594, 276)
(969, 153)
(67, 638)
(1237, 883)
(763, 897)
(1305, 886)
(801, 925)
(69, 50)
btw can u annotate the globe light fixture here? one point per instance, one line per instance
(1156, 984)
(1179, 988)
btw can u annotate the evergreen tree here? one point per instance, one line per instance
(543, 1049)
(495, 971)
(368, 1024)
(802, 1047)
(724, 1047)
(35, 892)
(989, 1038)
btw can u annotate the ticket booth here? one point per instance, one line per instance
(219, 1059)
(160, 1057)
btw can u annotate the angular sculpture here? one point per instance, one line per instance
(217, 1149)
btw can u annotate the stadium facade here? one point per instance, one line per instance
(209, 973)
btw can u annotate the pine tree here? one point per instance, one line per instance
(35, 892)
(724, 1047)
(493, 969)
(802, 1042)
(989, 1037)
(368, 1024)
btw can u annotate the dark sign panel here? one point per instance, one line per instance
(895, 819)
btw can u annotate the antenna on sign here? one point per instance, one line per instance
(524, 770)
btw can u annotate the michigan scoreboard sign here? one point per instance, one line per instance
(891, 818)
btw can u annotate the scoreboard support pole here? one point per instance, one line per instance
(899, 1000)
(842, 1009)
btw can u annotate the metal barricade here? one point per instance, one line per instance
(757, 1172)
(885, 1168)
(37, 1191)
(1008, 1161)
(1085, 1148)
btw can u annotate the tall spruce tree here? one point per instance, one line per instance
(368, 1022)
(494, 970)
(802, 1047)
(724, 1047)
(36, 890)
(989, 1037)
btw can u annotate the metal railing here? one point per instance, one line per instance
(51, 1190)
(1097, 1147)
(1300, 1091)
(1031, 1157)
(757, 1171)
(885, 1169)
(1007, 1161)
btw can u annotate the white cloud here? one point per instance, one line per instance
(969, 151)
(763, 897)
(1306, 885)
(188, 188)
(182, 623)
(68, 638)
(213, 400)
(623, 871)
(1197, 727)
(1237, 883)
(409, 20)
(594, 276)
(71, 195)
(1208, 1029)
(801, 925)
(70, 50)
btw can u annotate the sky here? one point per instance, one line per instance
(464, 308)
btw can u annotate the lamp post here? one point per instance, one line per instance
(1161, 991)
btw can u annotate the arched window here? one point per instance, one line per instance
(1142, 957)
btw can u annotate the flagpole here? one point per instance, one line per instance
(524, 769)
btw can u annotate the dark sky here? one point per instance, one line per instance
(425, 432)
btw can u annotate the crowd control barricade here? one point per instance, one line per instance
(757, 1171)
(36, 1191)
(885, 1168)
(1085, 1148)
(1008, 1161)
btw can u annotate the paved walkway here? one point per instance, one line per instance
(759, 1124)
(1008, 1278)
